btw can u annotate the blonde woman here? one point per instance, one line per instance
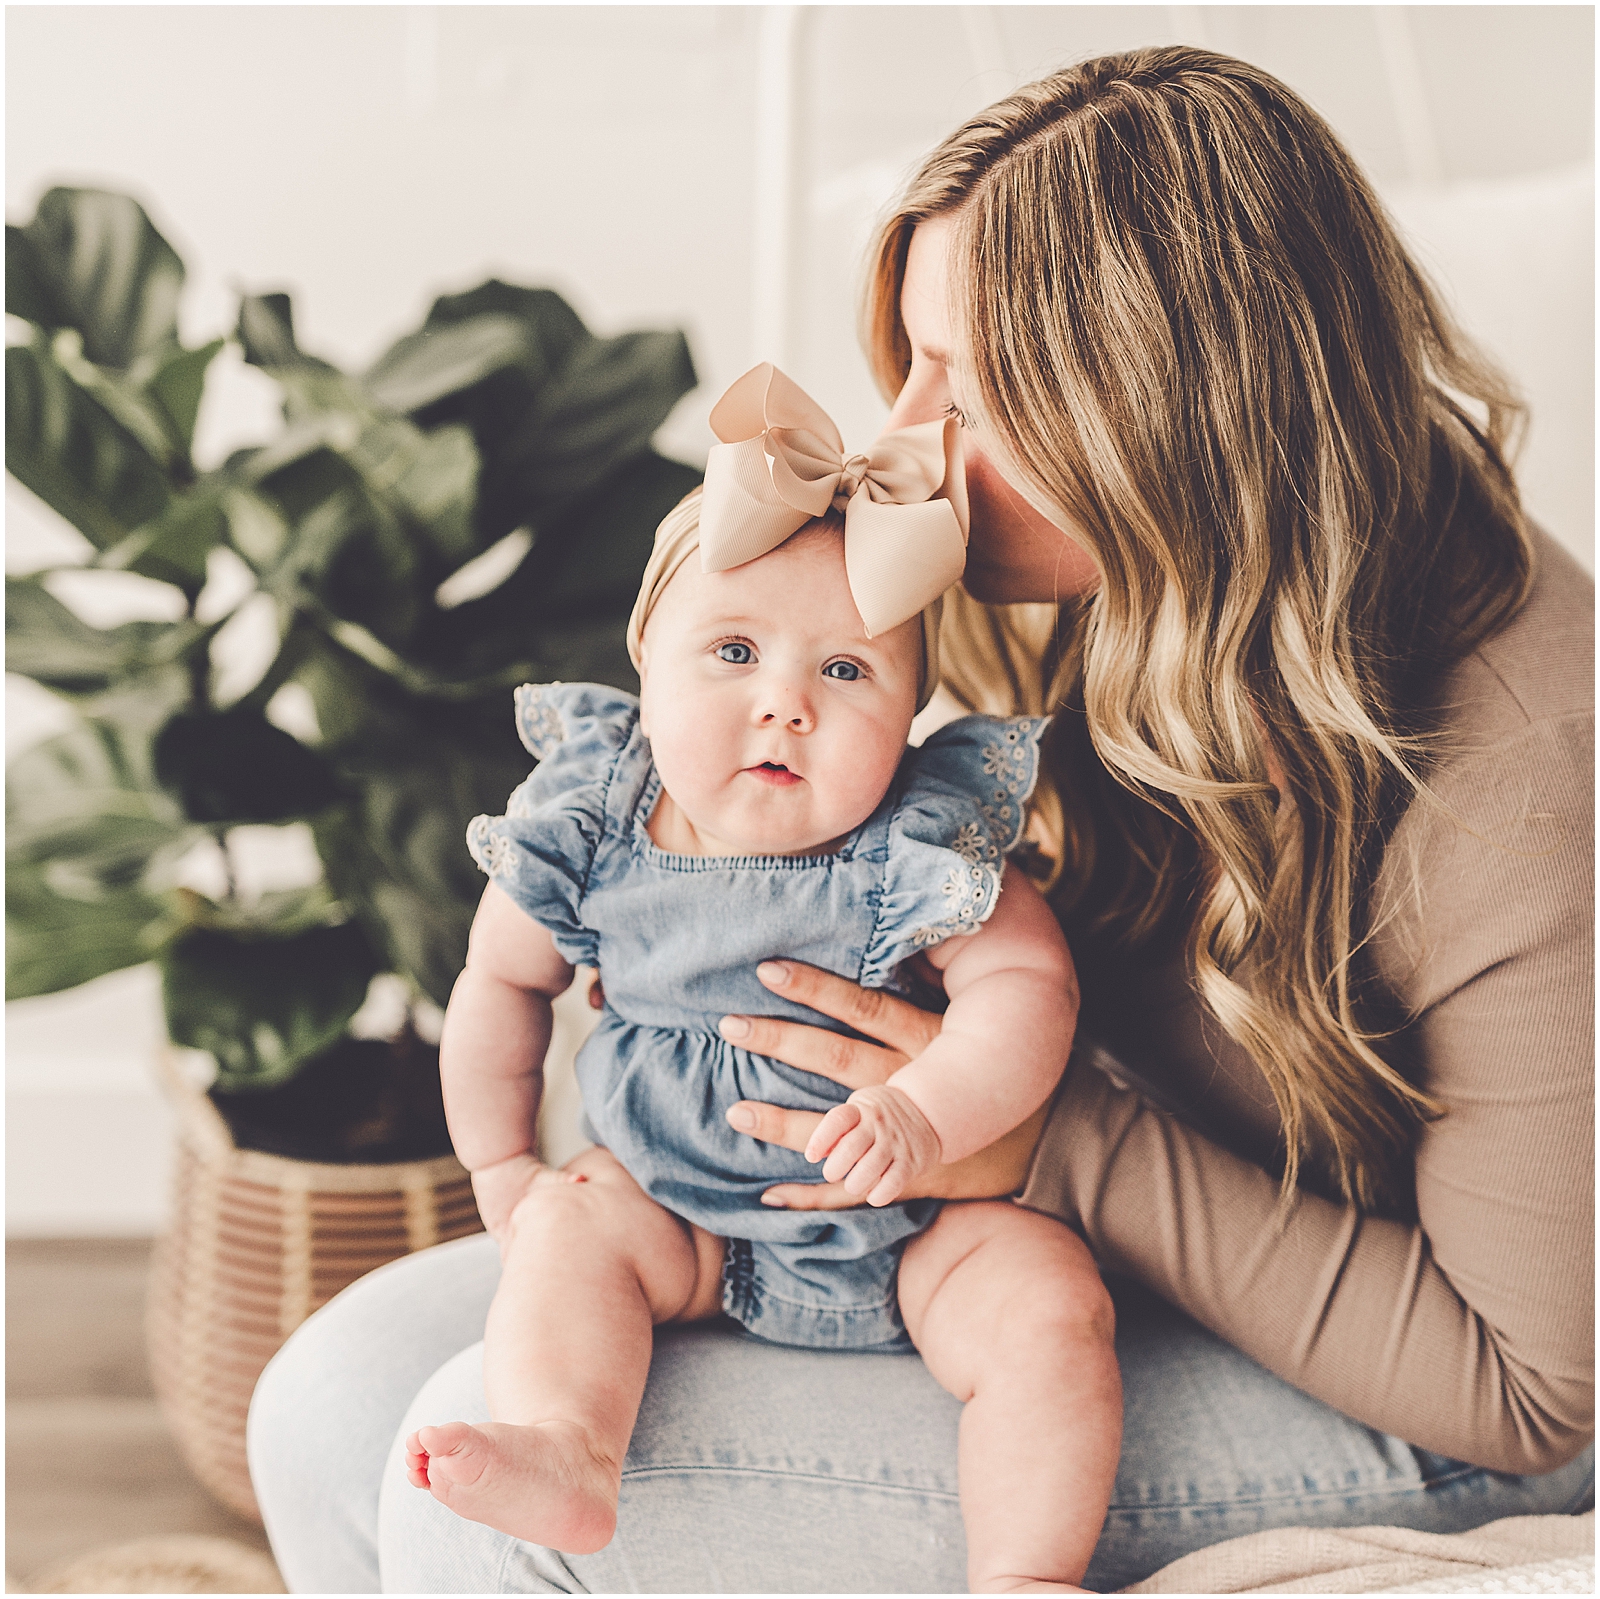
(1321, 838)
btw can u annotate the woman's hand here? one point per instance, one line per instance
(903, 1031)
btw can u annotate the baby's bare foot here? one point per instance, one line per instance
(544, 1483)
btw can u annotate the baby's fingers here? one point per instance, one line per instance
(889, 1187)
(867, 1171)
(831, 1129)
(847, 1152)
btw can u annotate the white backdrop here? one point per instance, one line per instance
(370, 157)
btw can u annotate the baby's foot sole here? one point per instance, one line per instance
(545, 1484)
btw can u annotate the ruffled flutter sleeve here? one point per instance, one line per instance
(541, 851)
(961, 810)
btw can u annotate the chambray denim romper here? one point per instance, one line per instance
(677, 939)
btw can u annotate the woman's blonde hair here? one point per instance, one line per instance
(1183, 318)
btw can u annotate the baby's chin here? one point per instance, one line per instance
(744, 835)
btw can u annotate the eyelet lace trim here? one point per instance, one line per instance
(494, 852)
(538, 721)
(969, 889)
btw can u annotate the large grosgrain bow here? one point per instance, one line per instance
(782, 462)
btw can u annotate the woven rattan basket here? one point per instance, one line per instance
(257, 1243)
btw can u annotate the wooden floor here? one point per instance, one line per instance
(88, 1461)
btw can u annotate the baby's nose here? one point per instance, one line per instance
(793, 713)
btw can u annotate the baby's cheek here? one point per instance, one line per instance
(874, 755)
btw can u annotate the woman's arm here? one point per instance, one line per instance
(1470, 1332)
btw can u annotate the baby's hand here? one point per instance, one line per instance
(499, 1188)
(876, 1143)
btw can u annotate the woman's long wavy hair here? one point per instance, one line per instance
(1183, 320)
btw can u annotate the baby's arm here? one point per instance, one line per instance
(491, 1055)
(1002, 1049)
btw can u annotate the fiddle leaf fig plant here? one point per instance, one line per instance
(501, 432)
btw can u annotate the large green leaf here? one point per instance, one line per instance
(174, 546)
(437, 492)
(67, 448)
(551, 328)
(599, 410)
(564, 609)
(424, 367)
(83, 830)
(88, 789)
(56, 941)
(49, 643)
(29, 294)
(589, 560)
(397, 855)
(426, 479)
(553, 428)
(266, 333)
(109, 274)
(234, 766)
(264, 1005)
(177, 379)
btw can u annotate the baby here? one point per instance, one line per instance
(759, 799)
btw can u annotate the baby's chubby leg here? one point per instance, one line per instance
(589, 1268)
(1008, 1311)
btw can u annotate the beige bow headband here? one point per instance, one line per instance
(781, 463)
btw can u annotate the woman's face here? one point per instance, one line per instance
(1014, 554)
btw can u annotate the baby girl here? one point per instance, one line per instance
(759, 800)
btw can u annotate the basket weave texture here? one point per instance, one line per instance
(257, 1243)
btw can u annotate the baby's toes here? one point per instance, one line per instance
(454, 1453)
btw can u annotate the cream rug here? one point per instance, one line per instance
(1522, 1554)
(178, 1564)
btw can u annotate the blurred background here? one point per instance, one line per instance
(712, 168)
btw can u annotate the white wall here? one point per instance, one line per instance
(370, 157)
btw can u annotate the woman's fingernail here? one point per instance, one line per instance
(742, 1118)
(734, 1027)
(769, 1198)
(773, 973)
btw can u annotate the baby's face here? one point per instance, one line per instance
(775, 722)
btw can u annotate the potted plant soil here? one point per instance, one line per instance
(472, 512)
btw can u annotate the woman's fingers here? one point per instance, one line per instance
(789, 1129)
(848, 1061)
(885, 1017)
(810, 1196)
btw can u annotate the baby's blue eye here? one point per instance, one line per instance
(845, 671)
(736, 654)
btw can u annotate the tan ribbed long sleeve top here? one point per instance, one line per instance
(1469, 1332)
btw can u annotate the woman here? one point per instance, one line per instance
(1320, 841)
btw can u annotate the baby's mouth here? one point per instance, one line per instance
(775, 773)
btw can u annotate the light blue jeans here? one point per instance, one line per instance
(761, 1469)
